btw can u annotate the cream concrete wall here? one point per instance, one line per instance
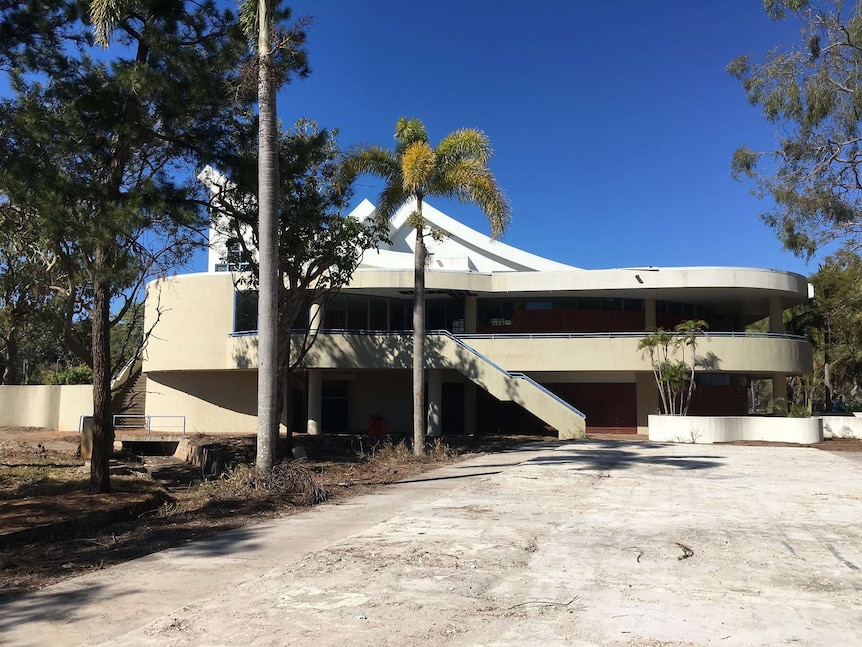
(717, 429)
(589, 354)
(47, 406)
(733, 354)
(195, 323)
(212, 401)
(842, 426)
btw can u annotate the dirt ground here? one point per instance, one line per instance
(42, 481)
(600, 542)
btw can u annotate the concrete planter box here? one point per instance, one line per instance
(718, 429)
(842, 426)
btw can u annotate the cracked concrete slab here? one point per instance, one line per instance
(588, 543)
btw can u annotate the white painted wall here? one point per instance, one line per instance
(842, 426)
(717, 429)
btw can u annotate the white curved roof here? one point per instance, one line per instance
(461, 248)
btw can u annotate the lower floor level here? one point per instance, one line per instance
(338, 401)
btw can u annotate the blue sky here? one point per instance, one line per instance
(613, 123)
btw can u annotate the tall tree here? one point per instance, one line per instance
(261, 23)
(100, 146)
(458, 169)
(26, 299)
(319, 248)
(813, 91)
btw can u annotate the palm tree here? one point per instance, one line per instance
(256, 18)
(457, 168)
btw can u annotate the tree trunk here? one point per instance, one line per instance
(267, 320)
(12, 373)
(103, 428)
(419, 255)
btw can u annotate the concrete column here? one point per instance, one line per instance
(647, 399)
(315, 401)
(779, 393)
(315, 315)
(469, 407)
(469, 314)
(649, 314)
(435, 402)
(776, 315)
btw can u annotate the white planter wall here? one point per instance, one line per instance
(842, 426)
(718, 429)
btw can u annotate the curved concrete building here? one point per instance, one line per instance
(516, 341)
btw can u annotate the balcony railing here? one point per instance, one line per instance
(543, 335)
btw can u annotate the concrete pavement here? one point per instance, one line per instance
(589, 543)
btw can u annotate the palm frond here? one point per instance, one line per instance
(248, 19)
(418, 164)
(408, 130)
(471, 182)
(371, 159)
(391, 199)
(462, 144)
(105, 16)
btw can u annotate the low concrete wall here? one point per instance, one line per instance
(842, 426)
(718, 429)
(46, 406)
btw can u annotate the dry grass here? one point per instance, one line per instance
(290, 481)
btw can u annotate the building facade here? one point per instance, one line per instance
(516, 342)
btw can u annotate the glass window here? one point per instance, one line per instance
(245, 311)
(378, 313)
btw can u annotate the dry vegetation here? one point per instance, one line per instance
(40, 486)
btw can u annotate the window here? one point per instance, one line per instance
(245, 311)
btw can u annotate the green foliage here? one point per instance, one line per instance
(832, 321)
(318, 247)
(80, 374)
(99, 148)
(813, 91)
(673, 367)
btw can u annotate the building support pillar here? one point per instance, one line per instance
(779, 394)
(315, 401)
(315, 376)
(649, 314)
(435, 403)
(469, 408)
(776, 316)
(469, 315)
(647, 399)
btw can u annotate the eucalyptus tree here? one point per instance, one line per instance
(100, 147)
(812, 91)
(457, 168)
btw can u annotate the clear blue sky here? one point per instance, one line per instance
(613, 123)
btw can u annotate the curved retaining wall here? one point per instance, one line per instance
(720, 429)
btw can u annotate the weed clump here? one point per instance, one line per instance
(287, 479)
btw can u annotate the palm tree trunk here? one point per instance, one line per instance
(419, 255)
(267, 319)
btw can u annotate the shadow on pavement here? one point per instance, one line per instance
(611, 455)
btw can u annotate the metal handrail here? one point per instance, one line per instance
(147, 419)
(515, 376)
(635, 334)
